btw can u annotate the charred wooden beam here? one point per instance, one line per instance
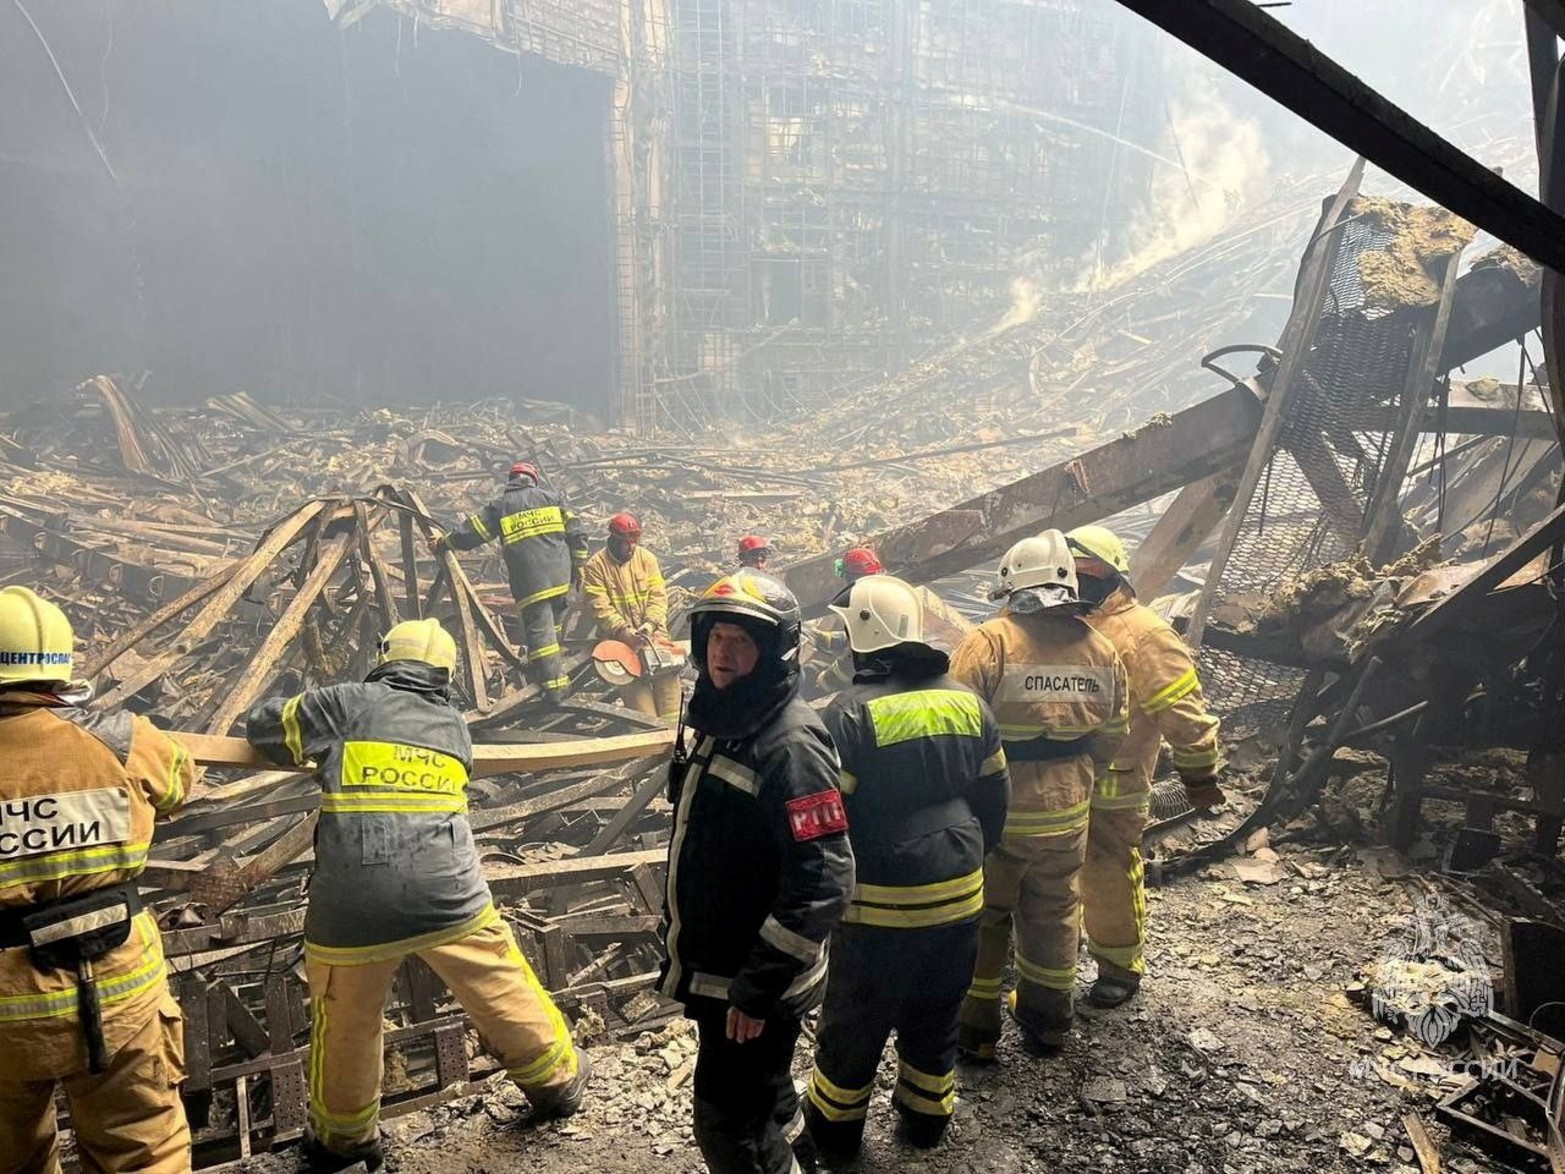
(497, 759)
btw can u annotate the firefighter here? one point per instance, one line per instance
(941, 622)
(624, 585)
(1059, 691)
(1166, 705)
(396, 873)
(754, 552)
(925, 785)
(84, 997)
(544, 549)
(760, 871)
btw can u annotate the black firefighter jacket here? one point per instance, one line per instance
(538, 533)
(760, 870)
(926, 787)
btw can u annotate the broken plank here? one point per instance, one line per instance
(1156, 459)
(242, 578)
(514, 879)
(1423, 1144)
(259, 665)
(128, 640)
(493, 759)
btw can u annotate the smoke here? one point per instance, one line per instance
(1224, 166)
(1028, 288)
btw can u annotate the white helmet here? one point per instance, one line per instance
(881, 612)
(1037, 564)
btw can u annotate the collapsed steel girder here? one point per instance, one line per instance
(1195, 443)
(1490, 307)
(1255, 46)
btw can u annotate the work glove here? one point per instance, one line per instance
(1204, 794)
(648, 628)
(576, 578)
(443, 544)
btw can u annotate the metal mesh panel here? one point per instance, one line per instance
(1309, 507)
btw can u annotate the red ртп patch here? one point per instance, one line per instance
(813, 816)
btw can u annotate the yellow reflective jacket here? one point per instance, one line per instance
(78, 798)
(626, 595)
(1059, 693)
(1165, 695)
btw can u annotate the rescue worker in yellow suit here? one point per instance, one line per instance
(84, 997)
(1165, 705)
(624, 586)
(396, 873)
(1059, 692)
(925, 785)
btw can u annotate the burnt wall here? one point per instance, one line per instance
(375, 214)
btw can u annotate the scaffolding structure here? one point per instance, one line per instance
(857, 179)
(810, 193)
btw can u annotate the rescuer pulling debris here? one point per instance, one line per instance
(1166, 704)
(84, 996)
(925, 785)
(397, 873)
(1059, 691)
(760, 872)
(544, 550)
(624, 586)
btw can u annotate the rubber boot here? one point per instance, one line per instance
(320, 1160)
(555, 1104)
(834, 1141)
(1045, 1017)
(1112, 990)
(978, 1024)
(921, 1130)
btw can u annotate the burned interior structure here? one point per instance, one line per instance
(831, 216)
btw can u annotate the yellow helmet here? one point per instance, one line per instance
(1100, 543)
(36, 641)
(421, 640)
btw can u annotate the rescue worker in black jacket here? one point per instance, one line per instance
(545, 549)
(760, 871)
(925, 784)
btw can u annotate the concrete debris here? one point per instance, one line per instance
(1405, 271)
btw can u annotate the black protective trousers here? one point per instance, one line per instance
(747, 1111)
(541, 628)
(882, 980)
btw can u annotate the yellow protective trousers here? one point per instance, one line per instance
(657, 696)
(518, 1022)
(128, 1118)
(1113, 881)
(1032, 883)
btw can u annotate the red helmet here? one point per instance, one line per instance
(858, 562)
(625, 526)
(525, 469)
(754, 549)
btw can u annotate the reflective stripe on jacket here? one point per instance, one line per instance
(625, 595)
(1165, 694)
(759, 872)
(1059, 692)
(539, 537)
(396, 868)
(78, 798)
(926, 788)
